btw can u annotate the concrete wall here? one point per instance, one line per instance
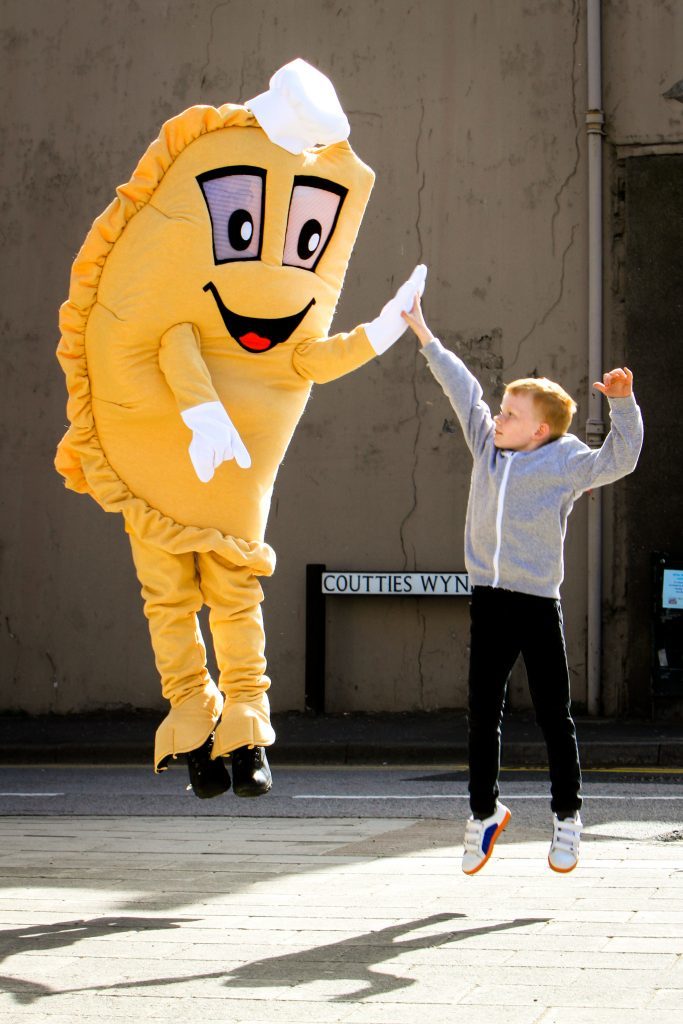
(471, 113)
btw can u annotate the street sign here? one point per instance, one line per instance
(396, 584)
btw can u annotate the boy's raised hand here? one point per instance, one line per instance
(416, 322)
(616, 384)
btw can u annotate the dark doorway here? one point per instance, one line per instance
(652, 498)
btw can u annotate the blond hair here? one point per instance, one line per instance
(553, 403)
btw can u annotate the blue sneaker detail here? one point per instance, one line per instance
(488, 837)
(480, 838)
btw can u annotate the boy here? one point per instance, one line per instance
(528, 471)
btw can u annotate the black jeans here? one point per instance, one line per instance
(506, 623)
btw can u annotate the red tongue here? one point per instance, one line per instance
(255, 341)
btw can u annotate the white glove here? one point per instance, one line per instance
(214, 439)
(390, 325)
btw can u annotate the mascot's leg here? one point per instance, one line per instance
(170, 590)
(233, 594)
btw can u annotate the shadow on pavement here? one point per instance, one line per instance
(348, 960)
(43, 938)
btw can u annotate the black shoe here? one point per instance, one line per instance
(207, 778)
(250, 771)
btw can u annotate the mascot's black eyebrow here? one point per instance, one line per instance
(226, 172)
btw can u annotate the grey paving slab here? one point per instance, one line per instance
(253, 920)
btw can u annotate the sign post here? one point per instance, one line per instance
(321, 584)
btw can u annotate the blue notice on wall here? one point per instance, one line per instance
(672, 589)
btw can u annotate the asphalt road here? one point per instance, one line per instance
(633, 805)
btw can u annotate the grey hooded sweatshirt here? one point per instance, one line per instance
(519, 501)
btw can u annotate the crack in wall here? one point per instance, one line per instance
(422, 620)
(411, 562)
(205, 66)
(243, 82)
(53, 697)
(421, 184)
(13, 674)
(576, 16)
(364, 113)
(421, 180)
(577, 149)
(553, 306)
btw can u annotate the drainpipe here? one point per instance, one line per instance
(595, 427)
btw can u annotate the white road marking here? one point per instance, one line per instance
(31, 794)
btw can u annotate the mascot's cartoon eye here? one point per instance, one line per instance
(240, 230)
(313, 213)
(309, 239)
(235, 198)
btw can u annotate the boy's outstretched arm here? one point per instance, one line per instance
(618, 455)
(461, 388)
(416, 321)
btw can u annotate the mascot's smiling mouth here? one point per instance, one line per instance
(257, 334)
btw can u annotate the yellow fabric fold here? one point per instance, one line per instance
(187, 726)
(243, 724)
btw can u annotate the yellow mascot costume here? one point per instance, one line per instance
(196, 323)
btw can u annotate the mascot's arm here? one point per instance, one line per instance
(322, 361)
(186, 373)
(214, 436)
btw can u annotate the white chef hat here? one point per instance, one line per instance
(300, 109)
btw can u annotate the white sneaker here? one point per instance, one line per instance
(564, 849)
(480, 837)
